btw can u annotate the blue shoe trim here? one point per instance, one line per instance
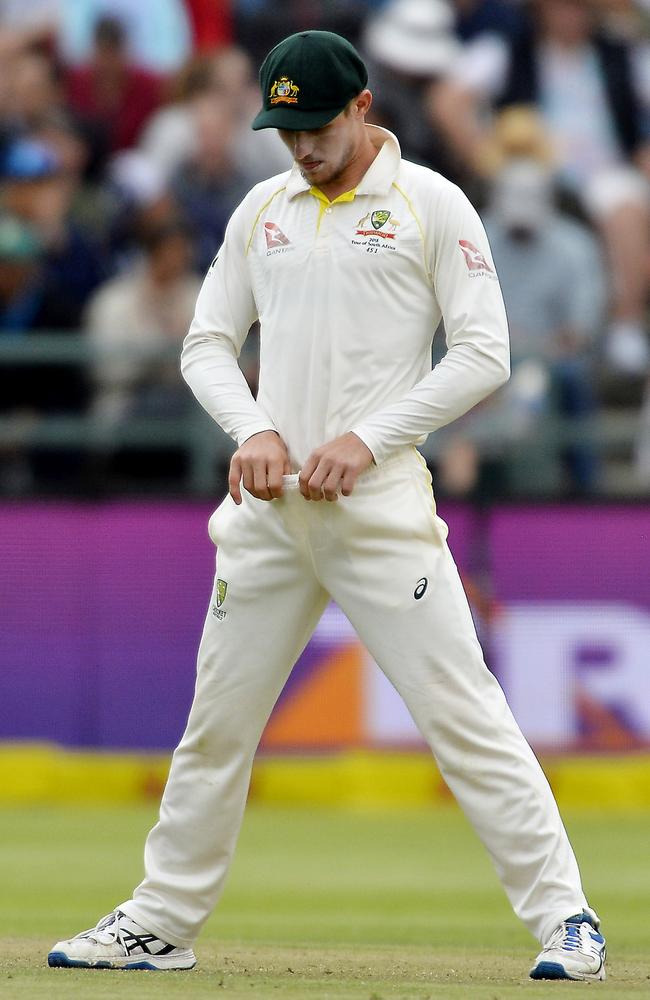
(59, 960)
(549, 970)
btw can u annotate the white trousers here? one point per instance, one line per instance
(281, 561)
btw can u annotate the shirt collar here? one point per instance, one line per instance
(378, 177)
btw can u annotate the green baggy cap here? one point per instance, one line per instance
(308, 79)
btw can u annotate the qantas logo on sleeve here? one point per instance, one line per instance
(474, 258)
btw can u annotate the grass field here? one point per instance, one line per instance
(320, 904)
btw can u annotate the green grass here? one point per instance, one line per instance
(320, 904)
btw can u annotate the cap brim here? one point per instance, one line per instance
(294, 120)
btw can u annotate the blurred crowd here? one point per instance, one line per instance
(125, 144)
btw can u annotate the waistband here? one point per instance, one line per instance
(406, 457)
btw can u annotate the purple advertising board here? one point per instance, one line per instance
(572, 637)
(101, 612)
(101, 609)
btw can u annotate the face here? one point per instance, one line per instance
(571, 21)
(172, 258)
(325, 155)
(44, 202)
(14, 275)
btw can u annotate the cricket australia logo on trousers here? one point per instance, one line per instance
(221, 589)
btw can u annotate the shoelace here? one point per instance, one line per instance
(107, 931)
(568, 937)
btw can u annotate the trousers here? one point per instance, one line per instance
(382, 555)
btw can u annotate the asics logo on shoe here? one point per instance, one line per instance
(142, 942)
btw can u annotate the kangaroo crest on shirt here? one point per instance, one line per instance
(378, 220)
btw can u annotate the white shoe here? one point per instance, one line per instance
(117, 942)
(576, 950)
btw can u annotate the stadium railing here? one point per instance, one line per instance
(207, 448)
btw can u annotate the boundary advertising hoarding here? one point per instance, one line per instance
(101, 608)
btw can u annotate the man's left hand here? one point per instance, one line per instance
(334, 468)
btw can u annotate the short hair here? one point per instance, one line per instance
(110, 32)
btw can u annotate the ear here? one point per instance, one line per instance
(361, 104)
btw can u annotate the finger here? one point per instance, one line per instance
(315, 484)
(234, 478)
(274, 478)
(306, 473)
(247, 478)
(331, 485)
(276, 468)
(348, 481)
(260, 482)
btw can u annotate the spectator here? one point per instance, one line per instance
(35, 92)
(209, 185)
(25, 23)
(29, 303)
(136, 323)
(211, 23)
(36, 189)
(261, 24)
(588, 90)
(480, 18)
(142, 203)
(258, 154)
(172, 135)
(552, 278)
(628, 20)
(20, 291)
(35, 106)
(158, 34)
(411, 48)
(113, 91)
(553, 281)
(20, 301)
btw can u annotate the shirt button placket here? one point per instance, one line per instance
(325, 229)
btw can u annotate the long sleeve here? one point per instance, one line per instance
(225, 311)
(478, 358)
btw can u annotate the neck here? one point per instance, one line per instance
(353, 172)
(568, 44)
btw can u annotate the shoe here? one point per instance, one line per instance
(117, 942)
(576, 950)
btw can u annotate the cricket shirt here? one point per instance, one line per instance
(349, 294)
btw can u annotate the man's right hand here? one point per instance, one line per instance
(258, 466)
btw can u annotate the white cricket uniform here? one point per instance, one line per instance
(349, 295)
